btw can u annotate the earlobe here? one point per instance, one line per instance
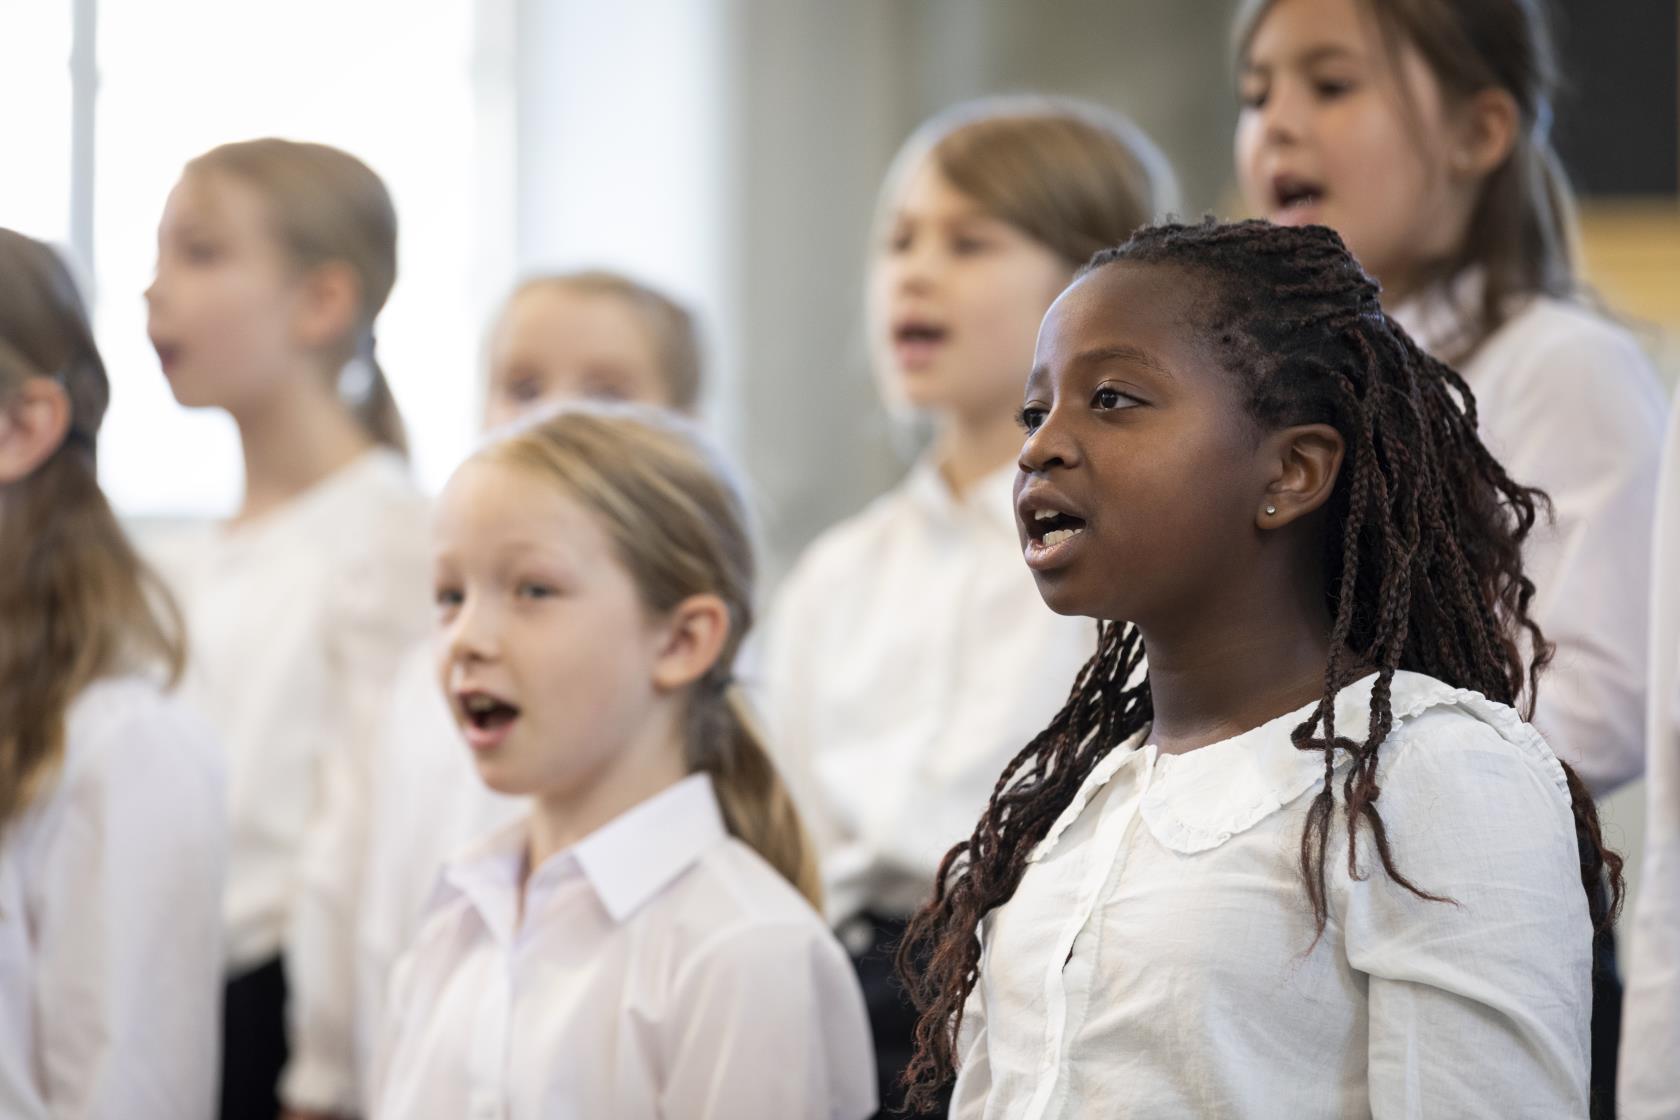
(1307, 459)
(33, 423)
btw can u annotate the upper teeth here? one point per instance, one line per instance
(1047, 515)
(478, 702)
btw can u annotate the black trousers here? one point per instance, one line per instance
(872, 941)
(253, 1043)
(1606, 1025)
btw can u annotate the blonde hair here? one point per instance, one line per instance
(78, 603)
(679, 525)
(329, 206)
(668, 324)
(1073, 176)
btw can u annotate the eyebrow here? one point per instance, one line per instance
(1122, 353)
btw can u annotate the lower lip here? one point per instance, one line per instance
(1041, 557)
(168, 359)
(482, 739)
(916, 354)
(1304, 214)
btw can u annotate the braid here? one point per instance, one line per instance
(1423, 562)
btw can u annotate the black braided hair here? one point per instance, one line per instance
(1424, 572)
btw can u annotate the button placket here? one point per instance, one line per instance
(1103, 863)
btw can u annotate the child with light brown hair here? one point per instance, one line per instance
(112, 826)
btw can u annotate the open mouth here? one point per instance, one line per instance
(916, 342)
(1049, 527)
(486, 719)
(1297, 200)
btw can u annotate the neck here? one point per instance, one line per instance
(294, 440)
(970, 448)
(1244, 658)
(646, 766)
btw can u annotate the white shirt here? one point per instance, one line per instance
(661, 969)
(296, 623)
(910, 657)
(110, 919)
(1568, 403)
(1157, 959)
(423, 802)
(1649, 1083)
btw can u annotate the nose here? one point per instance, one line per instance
(1049, 447)
(472, 635)
(914, 266)
(1282, 120)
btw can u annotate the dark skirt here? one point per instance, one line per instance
(253, 1042)
(872, 941)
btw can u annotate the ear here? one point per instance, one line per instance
(1303, 462)
(695, 635)
(1485, 132)
(330, 303)
(33, 423)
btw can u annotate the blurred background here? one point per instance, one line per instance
(727, 150)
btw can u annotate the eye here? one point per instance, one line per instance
(898, 241)
(1252, 96)
(448, 600)
(1328, 89)
(533, 591)
(201, 252)
(968, 246)
(1030, 418)
(1107, 398)
(524, 389)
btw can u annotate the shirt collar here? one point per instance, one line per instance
(992, 498)
(1200, 800)
(1443, 318)
(626, 861)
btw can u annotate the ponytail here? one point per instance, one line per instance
(363, 387)
(757, 808)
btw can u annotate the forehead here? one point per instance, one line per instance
(1159, 309)
(926, 192)
(553, 313)
(213, 198)
(493, 503)
(1291, 31)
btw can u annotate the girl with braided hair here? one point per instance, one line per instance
(1420, 130)
(1311, 861)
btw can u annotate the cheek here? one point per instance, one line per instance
(1246, 154)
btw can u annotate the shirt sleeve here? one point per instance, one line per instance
(1583, 421)
(129, 979)
(768, 1024)
(379, 615)
(974, 1069)
(1648, 1084)
(1478, 1006)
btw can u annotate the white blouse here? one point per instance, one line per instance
(657, 968)
(423, 803)
(1158, 959)
(296, 623)
(110, 919)
(909, 658)
(1649, 1083)
(1569, 403)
